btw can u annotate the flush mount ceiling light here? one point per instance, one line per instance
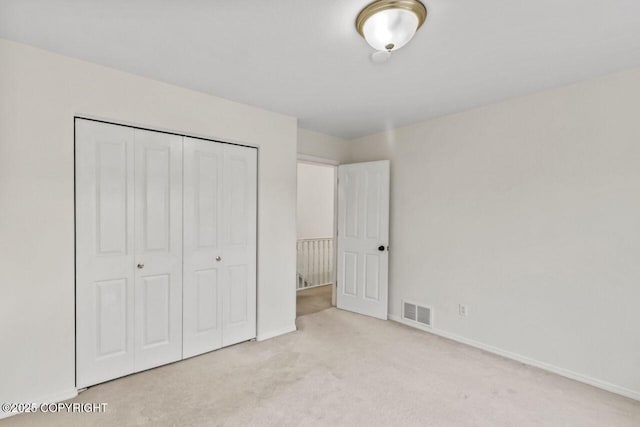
(387, 25)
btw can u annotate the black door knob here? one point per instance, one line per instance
(381, 248)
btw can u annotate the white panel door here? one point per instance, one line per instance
(202, 272)
(220, 201)
(158, 248)
(238, 257)
(363, 238)
(104, 252)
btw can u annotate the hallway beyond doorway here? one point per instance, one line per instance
(313, 300)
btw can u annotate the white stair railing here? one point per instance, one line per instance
(315, 262)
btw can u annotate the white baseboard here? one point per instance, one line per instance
(51, 398)
(523, 359)
(277, 332)
(313, 286)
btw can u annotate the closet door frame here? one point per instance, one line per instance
(133, 126)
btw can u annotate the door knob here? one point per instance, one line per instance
(140, 266)
(218, 258)
(381, 248)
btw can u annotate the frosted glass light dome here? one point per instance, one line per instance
(390, 29)
(387, 25)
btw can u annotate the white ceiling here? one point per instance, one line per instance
(305, 58)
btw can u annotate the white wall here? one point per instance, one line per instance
(325, 146)
(40, 94)
(528, 211)
(315, 201)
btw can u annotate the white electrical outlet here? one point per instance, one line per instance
(463, 310)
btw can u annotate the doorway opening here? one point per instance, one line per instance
(316, 230)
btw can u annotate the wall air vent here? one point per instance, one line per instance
(409, 311)
(417, 313)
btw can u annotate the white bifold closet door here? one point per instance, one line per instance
(220, 198)
(128, 250)
(165, 269)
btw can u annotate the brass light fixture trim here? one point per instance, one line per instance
(379, 5)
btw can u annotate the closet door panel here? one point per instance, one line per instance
(156, 310)
(239, 243)
(203, 272)
(207, 292)
(238, 299)
(158, 249)
(104, 252)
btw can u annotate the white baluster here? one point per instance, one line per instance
(324, 261)
(315, 262)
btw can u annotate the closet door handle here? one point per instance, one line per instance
(218, 258)
(140, 266)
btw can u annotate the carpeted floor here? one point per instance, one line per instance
(345, 369)
(313, 300)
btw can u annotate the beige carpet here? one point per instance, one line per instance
(348, 370)
(312, 300)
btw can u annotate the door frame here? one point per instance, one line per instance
(98, 119)
(321, 161)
